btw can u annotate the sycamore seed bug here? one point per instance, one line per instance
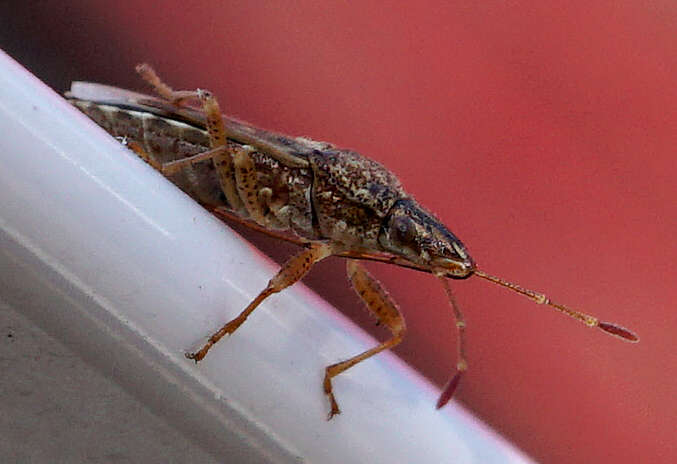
(331, 201)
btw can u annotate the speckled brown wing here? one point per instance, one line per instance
(290, 151)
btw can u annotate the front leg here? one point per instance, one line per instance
(381, 306)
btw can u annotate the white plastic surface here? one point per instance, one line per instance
(109, 257)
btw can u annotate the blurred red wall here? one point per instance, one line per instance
(544, 136)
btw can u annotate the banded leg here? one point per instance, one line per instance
(172, 167)
(143, 154)
(246, 182)
(380, 305)
(292, 271)
(223, 161)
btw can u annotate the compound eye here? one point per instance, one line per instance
(404, 230)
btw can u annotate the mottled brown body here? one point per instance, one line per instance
(337, 194)
(352, 196)
(166, 140)
(333, 201)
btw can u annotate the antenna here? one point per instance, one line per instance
(539, 298)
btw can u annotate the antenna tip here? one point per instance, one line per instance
(618, 331)
(448, 390)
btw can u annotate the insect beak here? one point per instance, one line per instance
(455, 268)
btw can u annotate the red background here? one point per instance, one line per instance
(543, 136)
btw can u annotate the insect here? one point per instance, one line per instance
(330, 201)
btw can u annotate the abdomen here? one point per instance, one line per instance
(165, 139)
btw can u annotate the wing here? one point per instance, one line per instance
(290, 151)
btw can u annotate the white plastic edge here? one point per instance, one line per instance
(109, 257)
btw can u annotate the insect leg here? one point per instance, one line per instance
(461, 363)
(215, 124)
(176, 97)
(223, 162)
(246, 183)
(292, 271)
(172, 167)
(379, 304)
(143, 154)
